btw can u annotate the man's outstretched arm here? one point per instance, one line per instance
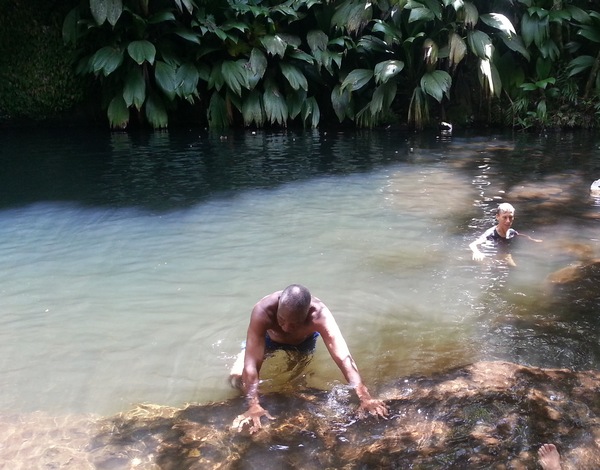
(338, 349)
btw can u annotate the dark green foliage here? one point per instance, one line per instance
(37, 81)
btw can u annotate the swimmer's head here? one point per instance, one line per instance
(505, 207)
(294, 303)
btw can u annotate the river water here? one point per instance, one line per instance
(130, 263)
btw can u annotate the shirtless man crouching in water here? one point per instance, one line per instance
(292, 319)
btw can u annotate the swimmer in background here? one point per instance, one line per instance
(501, 234)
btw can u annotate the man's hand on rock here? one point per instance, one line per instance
(251, 418)
(373, 407)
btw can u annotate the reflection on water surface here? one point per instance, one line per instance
(131, 263)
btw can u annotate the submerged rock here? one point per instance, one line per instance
(485, 415)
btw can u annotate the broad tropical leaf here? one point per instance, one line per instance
(490, 78)
(387, 69)
(217, 112)
(275, 106)
(383, 96)
(579, 64)
(294, 76)
(118, 113)
(515, 43)
(499, 21)
(590, 32)
(352, 15)
(252, 109)
(418, 110)
(274, 45)
(317, 40)
(187, 78)
(311, 109)
(234, 74)
(534, 29)
(357, 79)
(165, 75)
(481, 44)
(258, 66)
(156, 112)
(106, 60)
(341, 102)
(134, 91)
(294, 102)
(141, 51)
(458, 49)
(436, 83)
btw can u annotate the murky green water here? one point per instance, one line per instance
(131, 263)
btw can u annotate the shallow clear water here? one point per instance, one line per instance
(131, 263)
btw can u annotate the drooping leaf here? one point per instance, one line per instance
(436, 83)
(215, 79)
(141, 51)
(118, 113)
(499, 21)
(489, 77)
(234, 74)
(420, 13)
(341, 100)
(188, 35)
(317, 40)
(252, 109)
(590, 32)
(161, 17)
(275, 106)
(217, 115)
(580, 64)
(99, 9)
(156, 113)
(311, 109)
(515, 43)
(165, 75)
(106, 60)
(352, 15)
(579, 15)
(257, 67)
(356, 79)
(534, 29)
(134, 91)
(383, 96)
(458, 49)
(294, 76)
(114, 10)
(274, 45)
(470, 14)
(186, 78)
(294, 103)
(418, 110)
(387, 69)
(481, 44)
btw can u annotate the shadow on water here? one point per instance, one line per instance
(163, 171)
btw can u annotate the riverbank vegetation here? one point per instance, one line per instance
(526, 64)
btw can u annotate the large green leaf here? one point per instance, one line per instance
(252, 109)
(515, 43)
(118, 113)
(275, 106)
(156, 113)
(481, 44)
(141, 51)
(457, 49)
(311, 109)
(436, 83)
(352, 15)
(294, 76)
(234, 74)
(165, 75)
(418, 110)
(188, 35)
(187, 78)
(258, 66)
(579, 15)
(215, 79)
(590, 32)
(217, 115)
(103, 10)
(357, 79)
(106, 60)
(579, 64)
(317, 40)
(383, 96)
(499, 21)
(534, 29)
(490, 77)
(274, 45)
(387, 69)
(134, 91)
(341, 102)
(294, 103)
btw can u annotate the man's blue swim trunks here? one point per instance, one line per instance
(306, 346)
